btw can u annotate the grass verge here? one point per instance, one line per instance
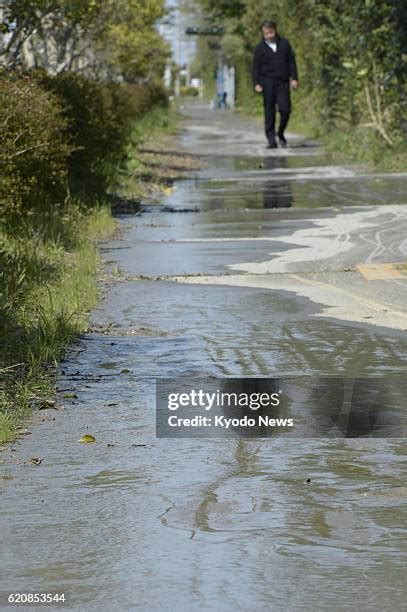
(39, 324)
(152, 162)
(350, 143)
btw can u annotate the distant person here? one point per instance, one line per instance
(274, 73)
(222, 97)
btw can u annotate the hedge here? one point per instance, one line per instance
(63, 136)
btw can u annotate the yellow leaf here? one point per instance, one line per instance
(87, 438)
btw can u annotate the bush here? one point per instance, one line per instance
(33, 150)
(189, 91)
(60, 132)
(99, 117)
(62, 139)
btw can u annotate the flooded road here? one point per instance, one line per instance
(265, 273)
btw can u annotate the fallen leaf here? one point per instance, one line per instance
(87, 438)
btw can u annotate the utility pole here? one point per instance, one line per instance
(177, 84)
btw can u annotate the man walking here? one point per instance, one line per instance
(274, 73)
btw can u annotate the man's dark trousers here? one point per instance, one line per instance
(276, 92)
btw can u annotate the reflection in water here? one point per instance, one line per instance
(277, 194)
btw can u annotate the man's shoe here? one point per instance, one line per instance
(272, 144)
(282, 141)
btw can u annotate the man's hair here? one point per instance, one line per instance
(268, 24)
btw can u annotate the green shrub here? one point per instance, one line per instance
(189, 91)
(33, 150)
(99, 117)
(61, 141)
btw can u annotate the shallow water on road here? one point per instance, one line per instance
(136, 522)
(267, 183)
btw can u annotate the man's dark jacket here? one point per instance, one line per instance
(269, 64)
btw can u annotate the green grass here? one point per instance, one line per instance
(349, 143)
(139, 177)
(159, 120)
(37, 328)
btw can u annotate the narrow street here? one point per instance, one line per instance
(260, 263)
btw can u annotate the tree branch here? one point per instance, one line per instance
(376, 121)
(27, 149)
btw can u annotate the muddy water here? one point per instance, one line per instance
(133, 522)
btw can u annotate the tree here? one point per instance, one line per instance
(98, 38)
